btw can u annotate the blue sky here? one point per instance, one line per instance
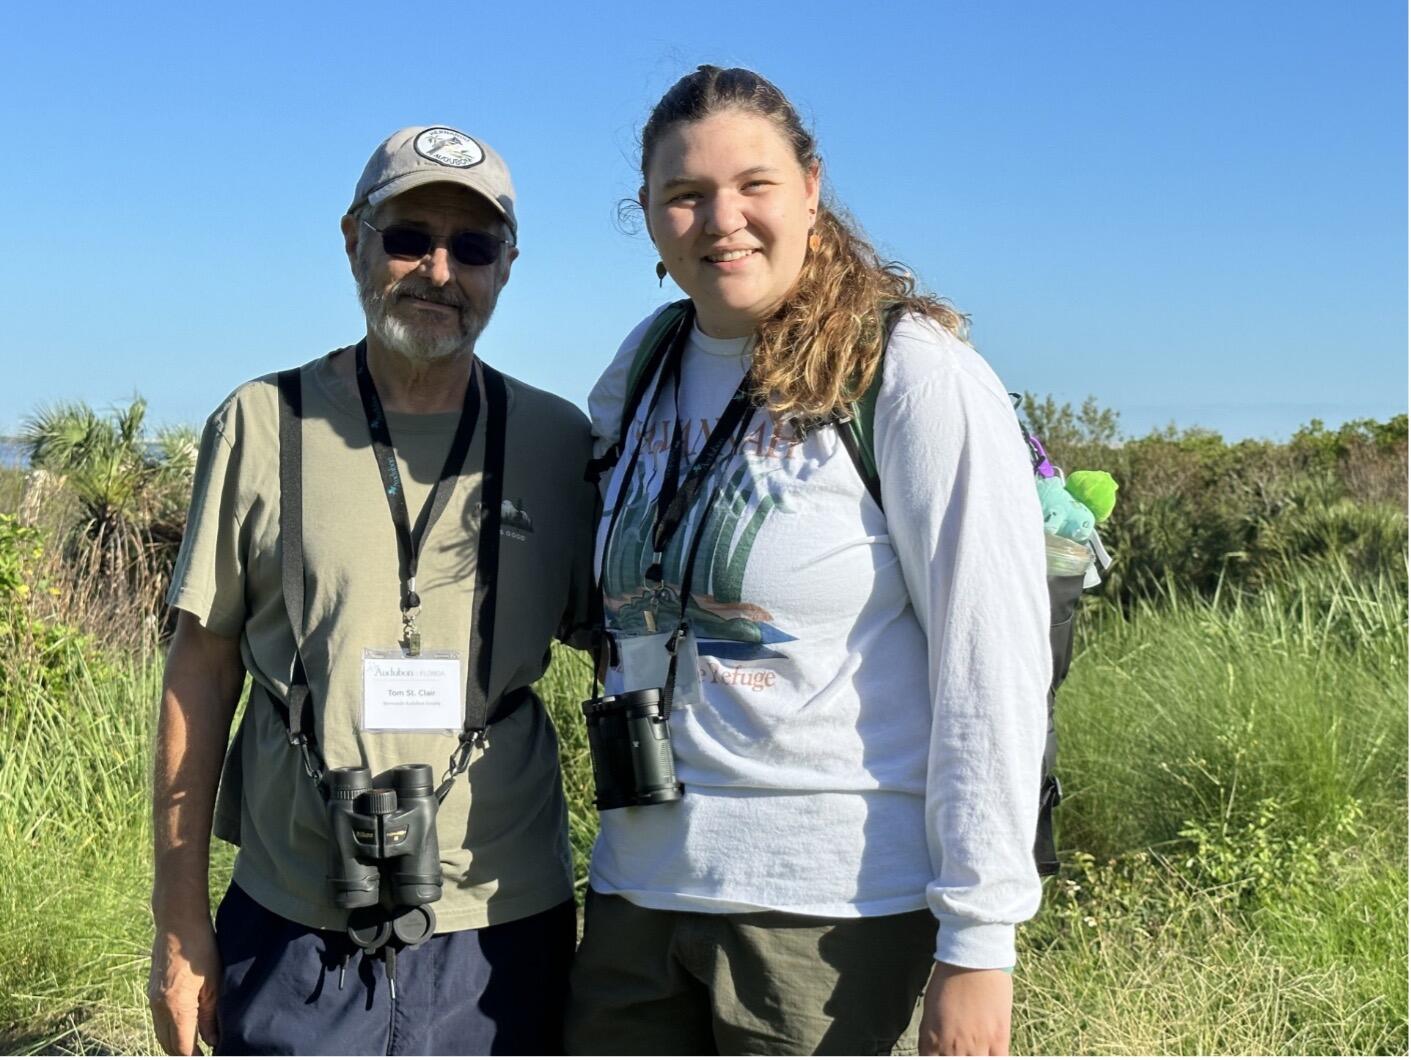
(1196, 212)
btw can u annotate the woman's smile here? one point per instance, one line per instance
(726, 200)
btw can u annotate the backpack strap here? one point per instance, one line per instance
(857, 432)
(645, 362)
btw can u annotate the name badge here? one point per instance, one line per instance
(404, 693)
(645, 661)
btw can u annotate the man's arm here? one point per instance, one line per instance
(200, 691)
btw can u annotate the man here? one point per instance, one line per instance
(366, 487)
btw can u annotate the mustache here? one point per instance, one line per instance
(414, 288)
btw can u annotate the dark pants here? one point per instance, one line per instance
(498, 990)
(649, 982)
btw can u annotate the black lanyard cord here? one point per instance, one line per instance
(674, 501)
(410, 539)
(676, 498)
(671, 475)
(298, 713)
(673, 644)
(678, 346)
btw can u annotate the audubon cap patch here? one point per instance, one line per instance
(447, 147)
(435, 154)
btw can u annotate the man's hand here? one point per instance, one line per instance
(183, 988)
(967, 1012)
(199, 694)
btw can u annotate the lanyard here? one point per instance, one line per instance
(673, 643)
(409, 538)
(676, 498)
(299, 713)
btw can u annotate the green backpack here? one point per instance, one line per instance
(856, 434)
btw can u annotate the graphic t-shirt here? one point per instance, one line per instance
(870, 726)
(503, 827)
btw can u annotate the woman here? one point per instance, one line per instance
(859, 698)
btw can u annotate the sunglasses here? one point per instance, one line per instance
(412, 244)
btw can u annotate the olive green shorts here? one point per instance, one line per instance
(647, 981)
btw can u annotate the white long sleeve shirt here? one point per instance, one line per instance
(870, 726)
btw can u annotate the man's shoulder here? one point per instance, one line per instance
(253, 406)
(545, 408)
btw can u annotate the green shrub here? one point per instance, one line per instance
(1198, 515)
(563, 688)
(75, 849)
(20, 550)
(35, 653)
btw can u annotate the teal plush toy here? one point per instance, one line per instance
(1064, 514)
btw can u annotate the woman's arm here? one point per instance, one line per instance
(965, 523)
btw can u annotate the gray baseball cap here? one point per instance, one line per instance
(435, 154)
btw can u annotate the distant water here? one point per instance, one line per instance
(12, 454)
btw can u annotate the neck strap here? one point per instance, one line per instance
(411, 538)
(298, 713)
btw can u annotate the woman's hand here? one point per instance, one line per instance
(967, 1012)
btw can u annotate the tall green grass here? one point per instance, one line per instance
(75, 796)
(1236, 830)
(1235, 834)
(1183, 709)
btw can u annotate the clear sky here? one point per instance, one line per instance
(1195, 211)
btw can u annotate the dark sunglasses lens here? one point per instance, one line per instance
(474, 248)
(405, 243)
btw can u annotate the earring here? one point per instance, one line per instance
(814, 241)
(661, 273)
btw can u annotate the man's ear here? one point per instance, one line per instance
(349, 224)
(511, 252)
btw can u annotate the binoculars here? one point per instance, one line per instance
(385, 864)
(629, 740)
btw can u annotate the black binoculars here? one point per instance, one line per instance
(629, 739)
(385, 861)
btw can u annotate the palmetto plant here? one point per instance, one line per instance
(131, 491)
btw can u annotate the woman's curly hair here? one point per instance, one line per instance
(821, 348)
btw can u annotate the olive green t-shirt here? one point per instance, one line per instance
(503, 828)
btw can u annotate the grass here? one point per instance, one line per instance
(1186, 710)
(1235, 830)
(74, 866)
(1238, 807)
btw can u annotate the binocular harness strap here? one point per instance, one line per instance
(298, 713)
(487, 568)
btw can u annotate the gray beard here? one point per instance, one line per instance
(407, 340)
